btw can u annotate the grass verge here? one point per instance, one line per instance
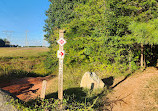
(150, 95)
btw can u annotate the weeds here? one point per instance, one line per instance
(18, 67)
(72, 102)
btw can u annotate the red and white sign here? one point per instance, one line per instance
(61, 41)
(60, 54)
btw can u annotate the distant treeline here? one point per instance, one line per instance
(32, 46)
(6, 43)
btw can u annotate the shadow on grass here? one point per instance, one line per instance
(77, 93)
(14, 73)
(79, 96)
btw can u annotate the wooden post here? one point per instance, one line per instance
(130, 57)
(60, 77)
(43, 90)
(60, 55)
(142, 56)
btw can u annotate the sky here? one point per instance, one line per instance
(20, 16)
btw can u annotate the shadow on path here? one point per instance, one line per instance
(121, 81)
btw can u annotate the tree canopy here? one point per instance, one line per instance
(102, 33)
(2, 43)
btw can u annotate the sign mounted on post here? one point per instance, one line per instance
(60, 54)
(61, 41)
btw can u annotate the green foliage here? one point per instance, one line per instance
(60, 12)
(2, 43)
(51, 61)
(18, 67)
(99, 33)
(145, 32)
(69, 103)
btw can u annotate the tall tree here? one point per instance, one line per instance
(60, 12)
(87, 31)
(145, 33)
(98, 31)
(125, 11)
(2, 43)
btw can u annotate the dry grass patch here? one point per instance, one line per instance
(22, 52)
(150, 95)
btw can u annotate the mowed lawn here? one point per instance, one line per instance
(22, 51)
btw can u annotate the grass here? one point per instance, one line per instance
(150, 95)
(22, 62)
(75, 99)
(154, 89)
(22, 52)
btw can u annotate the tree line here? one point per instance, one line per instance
(111, 35)
(6, 43)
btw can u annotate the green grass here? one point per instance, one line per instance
(22, 52)
(22, 62)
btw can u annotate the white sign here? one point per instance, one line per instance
(61, 41)
(60, 54)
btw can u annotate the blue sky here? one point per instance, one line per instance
(19, 16)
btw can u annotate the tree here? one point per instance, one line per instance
(84, 24)
(122, 12)
(2, 43)
(145, 33)
(60, 12)
(86, 32)
(99, 31)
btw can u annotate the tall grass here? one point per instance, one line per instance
(22, 62)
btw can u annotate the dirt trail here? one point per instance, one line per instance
(26, 88)
(130, 89)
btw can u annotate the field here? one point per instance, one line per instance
(22, 62)
(22, 52)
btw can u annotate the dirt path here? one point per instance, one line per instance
(129, 91)
(26, 88)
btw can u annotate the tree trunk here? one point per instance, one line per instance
(142, 58)
(144, 62)
(130, 57)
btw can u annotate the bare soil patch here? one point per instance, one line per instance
(27, 88)
(129, 91)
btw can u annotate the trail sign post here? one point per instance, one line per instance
(60, 55)
(61, 41)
